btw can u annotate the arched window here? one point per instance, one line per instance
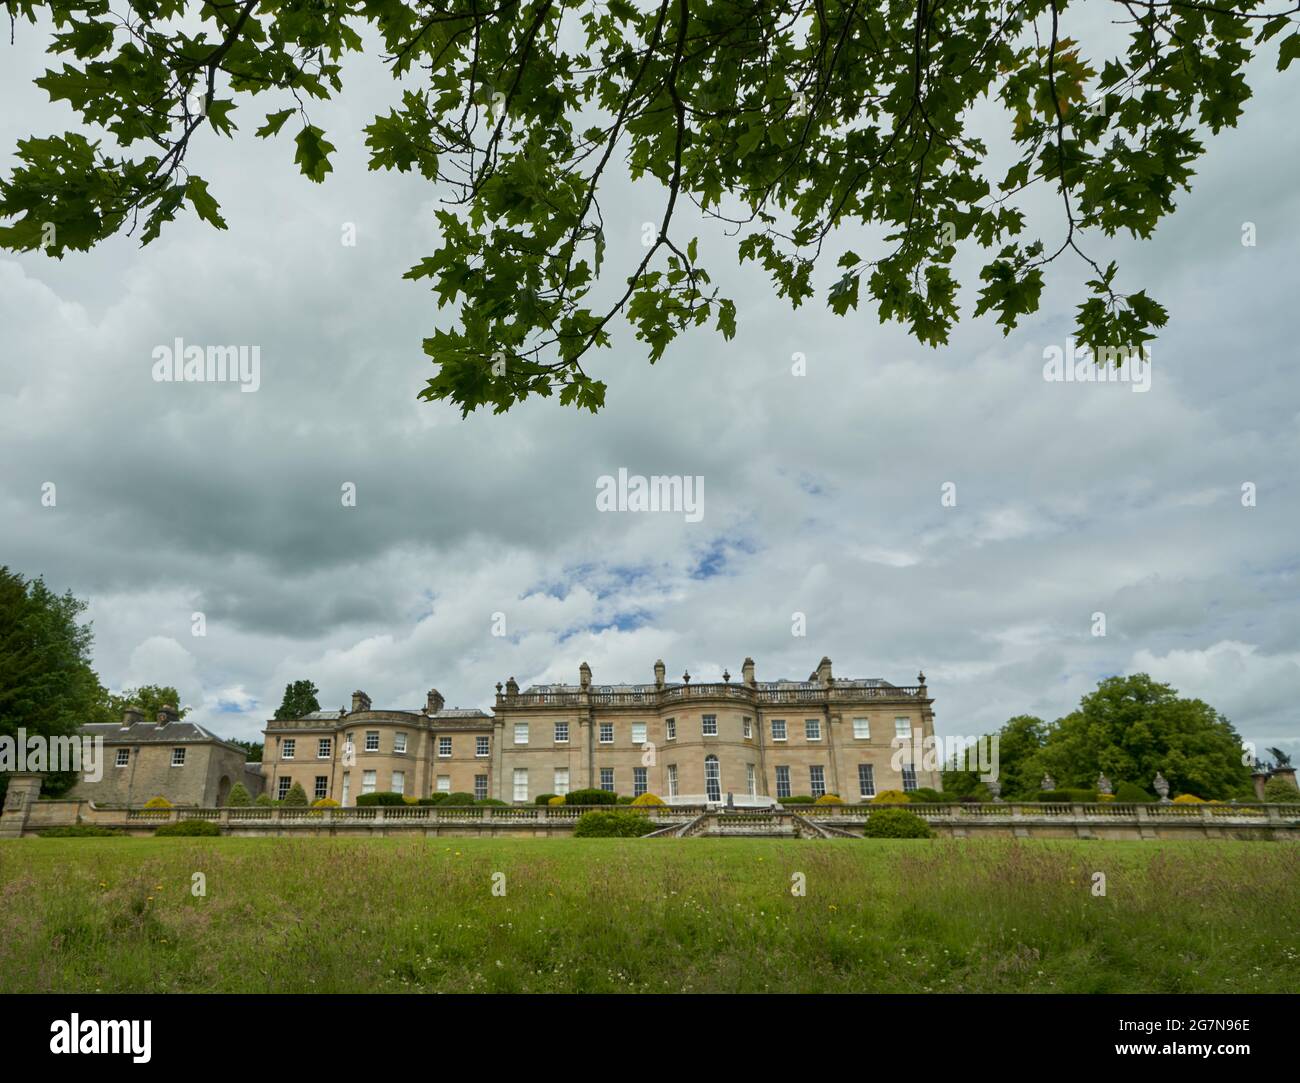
(712, 778)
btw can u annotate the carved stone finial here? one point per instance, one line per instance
(920, 678)
(1161, 787)
(995, 789)
(726, 677)
(686, 677)
(1048, 784)
(1103, 783)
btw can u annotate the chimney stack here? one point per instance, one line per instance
(167, 713)
(434, 701)
(747, 672)
(132, 715)
(360, 701)
(584, 676)
(824, 677)
(659, 673)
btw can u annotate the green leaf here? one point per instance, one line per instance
(313, 153)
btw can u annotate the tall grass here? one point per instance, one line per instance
(606, 915)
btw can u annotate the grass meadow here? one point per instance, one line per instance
(632, 915)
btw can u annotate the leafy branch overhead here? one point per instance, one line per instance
(789, 122)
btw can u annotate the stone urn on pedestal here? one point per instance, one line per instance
(1161, 788)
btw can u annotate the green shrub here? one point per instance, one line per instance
(81, 831)
(239, 796)
(652, 799)
(157, 802)
(459, 798)
(556, 800)
(925, 795)
(829, 799)
(1279, 791)
(433, 799)
(612, 825)
(188, 829)
(296, 797)
(383, 797)
(797, 799)
(590, 797)
(892, 797)
(263, 800)
(491, 801)
(896, 823)
(1130, 793)
(1068, 797)
(623, 799)
(544, 798)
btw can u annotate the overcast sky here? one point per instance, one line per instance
(822, 492)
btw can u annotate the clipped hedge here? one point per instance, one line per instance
(382, 797)
(896, 823)
(648, 799)
(459, 798)
(891, 797)
(1130, 793)
(188, 829)
(491, 801)
(590, 797)
(829, 799)
(325, 802)
(612, 825)
(157, 802)
(797, 799)
(239, 796)
(556, 800)
(1067, 797)
(81, 831)
(544, 798)
(1188, 799)
(433, 799)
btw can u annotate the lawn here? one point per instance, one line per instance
(611, 915)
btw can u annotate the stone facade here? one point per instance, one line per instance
(689, 743)
(180, 761)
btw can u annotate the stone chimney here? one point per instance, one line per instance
(360, 701)
(747, 672)
(659, 673)
(584, 676)
(434, 702)
(132, 715)
(167, 713)
(823, 673)
(512, 688)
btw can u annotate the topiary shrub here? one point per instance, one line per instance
(239, 796)
(1130, 793)
(458, 798)
(188, 829)
(891, 797)
(896, 823)
(924, 795)
(558, 799)
(295, 798)
(647, 799)
(543, 799)
(81, 831)
(491, 801)
(157, 802)
(829, 799)
(432, 799)
(1278, 791)
(612, 825)
(1188, 799)
(623, 799)
(263, 800)
(797, 799)
(382, 797)
(590, 797)
(325, 802)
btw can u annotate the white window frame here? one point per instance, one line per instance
(670, 729)
(372, 745)
(812, 729)
(444, 741)
(747, 728)
(369, 781)
(322, 787)
(608, 787)
(324, 748)
(903, 728)
(480, 787)
(866, 781)
(782, 781)
(672, 780)
(638, 733)
(398, 783)
(283, 786)
(288, 748)
(482, 746)
(779, 735)
(640, 781)
(862, 729)
(520, 781)
(521, 733)
(712, 774)
(399, 742)
(443, 783)
(561, 733)
(178, 757)
(816, 779)
(909, 777)
(561, 781)
(123, 758)
(606, 733)
(751, 780)
(707, 720)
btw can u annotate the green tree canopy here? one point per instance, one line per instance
(791, 125)
(1133, 727)
(150, 698)
(47, 685)
(299, 700)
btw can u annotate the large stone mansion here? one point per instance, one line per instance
(687, 743)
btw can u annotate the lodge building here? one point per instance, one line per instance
(749, 741)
